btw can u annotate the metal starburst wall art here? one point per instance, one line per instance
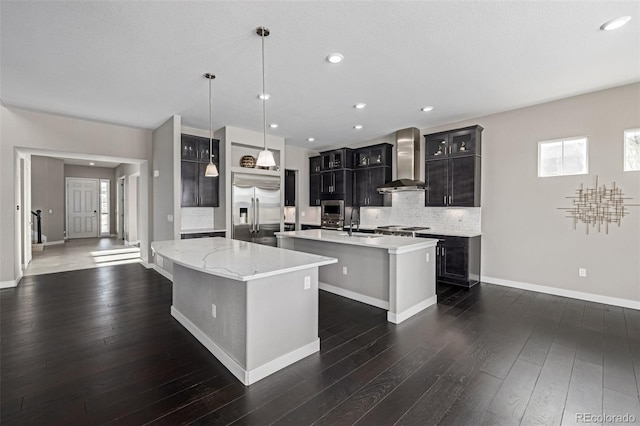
(598, 207)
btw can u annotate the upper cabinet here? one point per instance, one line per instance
(452, 168)
(197, 189)
(459, 142)
(289, 188)
(372, 156)
(315, 165)
(337, 159)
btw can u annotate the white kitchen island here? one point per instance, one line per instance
(393, 273)
(254, 307)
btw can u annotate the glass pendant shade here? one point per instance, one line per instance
(211, 170)
(265, 159)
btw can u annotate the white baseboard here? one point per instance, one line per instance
(247, 377)
(53, 243)
(353, 295)
(11, 283)
(590, 297)
(162, 272)
(408, 313)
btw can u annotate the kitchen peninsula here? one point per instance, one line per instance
(254, 307)
(390, 272)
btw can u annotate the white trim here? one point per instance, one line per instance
(53, 243)
(161, 271)
(247, 377)
(11, 283)
(590, 297)
(353, 295)
(408, 313)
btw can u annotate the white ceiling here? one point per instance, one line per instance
(137, 63)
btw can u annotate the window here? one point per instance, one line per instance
(562, 157)
(105, 194)
(631, 150)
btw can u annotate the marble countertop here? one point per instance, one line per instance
(395, 245)
(234, 259)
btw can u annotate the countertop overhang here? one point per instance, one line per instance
(394, 244)
(237, 260)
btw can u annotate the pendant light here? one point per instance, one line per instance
(211, 170)
(265, 158)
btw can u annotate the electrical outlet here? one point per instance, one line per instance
(582, 272)
(156, 173)
(169, 218)
(307, 283)
(303, 214)
(344, 270)
(427, 257)
(213, 310)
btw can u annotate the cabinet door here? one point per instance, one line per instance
(189, 149)
(378, 156)
(207, 188)
(339, 184)
(203, 150)
(289, 188)
(436, 191)
(378, 176)
(314, 190)
(436, 146)
(361, 187)
(315, 164)
(188, 175)
(463, 142)
(454, 261)
(464, 176)
(338, 160)
(327, 161)
(326, 183)
(362, 158)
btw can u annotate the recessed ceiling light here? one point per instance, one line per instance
(427, 108)
(615, 23)
(311, 139)
(360, 105)
(273, 125)
(358, 126)
(335, 58)
(92, 164)
(264, 96)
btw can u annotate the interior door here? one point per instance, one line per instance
(82, 208)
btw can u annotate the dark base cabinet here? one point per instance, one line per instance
(202, 235)
(457, 260)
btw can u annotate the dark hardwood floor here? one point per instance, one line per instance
(99, 346)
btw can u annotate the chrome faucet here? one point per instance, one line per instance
(351, 221)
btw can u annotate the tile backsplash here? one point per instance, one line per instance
(408, 209)
(196, 218)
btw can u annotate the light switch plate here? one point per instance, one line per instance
(156, 173)
(307, 283)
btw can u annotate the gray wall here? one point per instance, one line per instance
(47, 194)
(297, 158)
(525, 237)
(91, 172)
(164, 141)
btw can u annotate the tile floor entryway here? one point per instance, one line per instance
(82, 253)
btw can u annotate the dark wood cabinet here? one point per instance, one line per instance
(289, 188)
(197, 189)
(315, 165)
(453, 143)
(337, 185)
(337, 159)
(452, 168)
(457, 260)
(453, 182)
(373, 156)
(366, 183)
(202, 235)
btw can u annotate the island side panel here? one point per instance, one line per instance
(193, 294)
(367, 267)
(412, 281)
(282, 315)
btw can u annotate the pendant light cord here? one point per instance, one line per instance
(210, 127)
(264, 95)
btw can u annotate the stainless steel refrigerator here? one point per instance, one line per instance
(256, 208)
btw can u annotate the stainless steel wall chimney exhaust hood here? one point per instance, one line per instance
(407, 163)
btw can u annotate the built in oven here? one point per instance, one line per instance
(332, 214)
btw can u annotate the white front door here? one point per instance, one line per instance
(82, 208)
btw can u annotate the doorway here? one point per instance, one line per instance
(82, 207)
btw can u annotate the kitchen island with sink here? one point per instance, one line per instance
(254, 307)
(390, 272)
